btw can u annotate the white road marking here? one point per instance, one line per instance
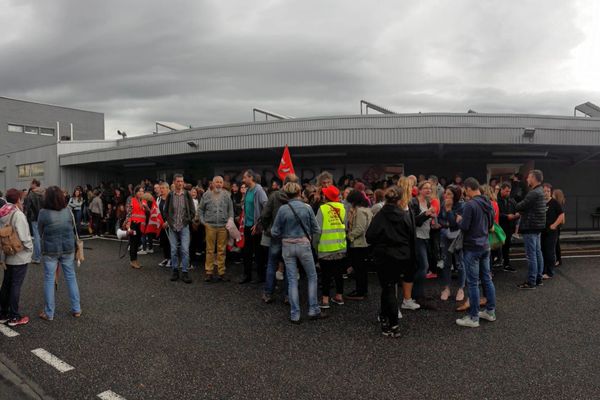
(7, 331)
(110, 395)
(51, 359)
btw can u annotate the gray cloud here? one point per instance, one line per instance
(210, 62)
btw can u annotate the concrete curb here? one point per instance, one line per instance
(11, 374)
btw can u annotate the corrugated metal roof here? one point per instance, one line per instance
(393, 129)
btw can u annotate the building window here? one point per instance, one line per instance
(47, 131)
(15, 128)
(30, 170)
(32, 130)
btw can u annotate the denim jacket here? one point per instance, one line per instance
(57, 232)
(286, 225)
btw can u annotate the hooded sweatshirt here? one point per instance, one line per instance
(21, 226)
(392, 233)
(478, 217)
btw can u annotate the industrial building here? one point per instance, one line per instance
(369, 146)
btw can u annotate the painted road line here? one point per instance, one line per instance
(7, 331)
(51, 359)
(110, 395)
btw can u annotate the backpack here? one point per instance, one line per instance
(9, 239)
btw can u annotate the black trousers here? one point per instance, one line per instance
(254, 251)
(134, 241)
(389, 272)
(506, 246)
(433, 253)
(164, 244)
(10, 293)
(558, 251)
(332, 269)
(358, 258)
(549, 239)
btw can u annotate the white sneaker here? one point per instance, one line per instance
(163, 263)
(440, 264)
(151, 251)
(399, 314)
(488, 315)
(468, 322)
(410, 304)
(142, 252)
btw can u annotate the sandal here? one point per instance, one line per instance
(45, 316)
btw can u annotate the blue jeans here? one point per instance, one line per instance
(67, 265)
(291, 254)
(474, 260)
(535, 261)
(274, 257)
(180, 243)
(77, 215)
(447, 256)
(37, 247)
(422, 246)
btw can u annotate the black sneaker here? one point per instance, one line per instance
(175, 275)
(222, 278)
(509, 268)
(526, 285)
(393, 332)
(208, 278)
(185, 278)
(539, 283)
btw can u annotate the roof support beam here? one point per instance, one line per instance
(586, 157)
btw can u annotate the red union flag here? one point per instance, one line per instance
(285, 165)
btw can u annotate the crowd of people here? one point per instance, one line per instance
(406, 229)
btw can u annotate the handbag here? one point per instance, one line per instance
(314, 253)
(497, 237)
(79, 257)
(11, 244)
(457, 244)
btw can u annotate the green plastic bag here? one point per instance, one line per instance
(497, 237)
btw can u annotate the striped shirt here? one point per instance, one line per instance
(179, 208)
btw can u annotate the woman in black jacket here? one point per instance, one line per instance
(392, 235)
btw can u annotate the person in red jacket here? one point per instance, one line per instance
(135, 223)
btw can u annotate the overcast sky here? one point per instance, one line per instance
(210, 62)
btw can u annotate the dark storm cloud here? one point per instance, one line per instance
(211, 62)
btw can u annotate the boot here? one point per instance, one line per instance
(135, 264)
(175, 275)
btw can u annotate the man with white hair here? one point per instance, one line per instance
(214, 210)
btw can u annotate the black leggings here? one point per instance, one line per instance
(332, 269)
(134, 241)
(389, 272)
(358, 256)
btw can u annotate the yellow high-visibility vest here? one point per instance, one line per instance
(333, 231)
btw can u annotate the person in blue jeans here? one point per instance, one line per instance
(532, 210)
(57, 229)
(295, 224)
(452, 206)
(32, 206)
(475, 223)
(180, 212)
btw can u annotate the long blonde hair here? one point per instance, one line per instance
(559, 196)
(489, 192)
(405, 187)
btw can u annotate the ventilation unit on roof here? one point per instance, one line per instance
(589, 109)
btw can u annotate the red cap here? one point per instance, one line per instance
(331, 193)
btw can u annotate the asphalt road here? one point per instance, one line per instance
(144, 337)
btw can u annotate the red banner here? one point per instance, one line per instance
(285, 165)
